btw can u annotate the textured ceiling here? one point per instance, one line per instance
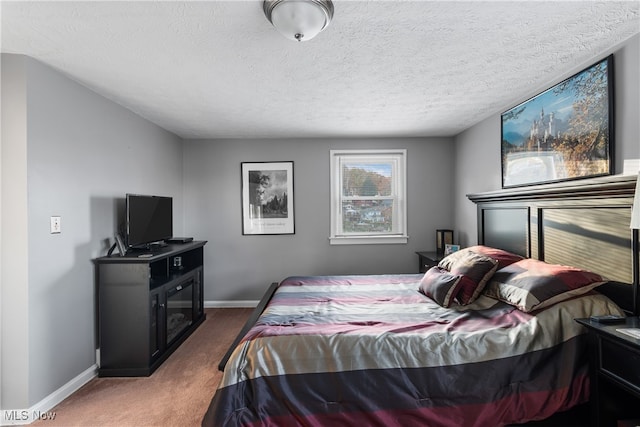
(218, 69)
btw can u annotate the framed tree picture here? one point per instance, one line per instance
(564, 133)
(267, 198)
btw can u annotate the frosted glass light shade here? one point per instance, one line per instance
(299, 20)
(635, 211)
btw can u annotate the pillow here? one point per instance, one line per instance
(503, 257)
(440, 285)
(475, 269)
(531, 284)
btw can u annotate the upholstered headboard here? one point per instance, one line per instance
(580, 223)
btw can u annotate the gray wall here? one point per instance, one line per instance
(477, 150)
(76, 154)
(240, 267)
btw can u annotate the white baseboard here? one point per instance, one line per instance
(231, 304)
(42, 409)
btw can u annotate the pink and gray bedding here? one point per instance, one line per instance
(374, 350)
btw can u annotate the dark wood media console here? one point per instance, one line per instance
(148, 304)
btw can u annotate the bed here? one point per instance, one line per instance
(486, 338)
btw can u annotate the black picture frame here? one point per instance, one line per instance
(267, 198)
(443, 237)
(563, 133)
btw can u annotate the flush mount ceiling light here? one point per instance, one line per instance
(299, 20)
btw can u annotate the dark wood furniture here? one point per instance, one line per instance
(426, 260)
(148, 304)
(583, 224)
(249, 323)
(615, 372)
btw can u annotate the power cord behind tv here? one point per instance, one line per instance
(111, 249)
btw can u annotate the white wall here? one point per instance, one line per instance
(477, 149)
(240, 268)
(82, 154)
(14, 254)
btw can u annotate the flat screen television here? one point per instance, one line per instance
(149, 219)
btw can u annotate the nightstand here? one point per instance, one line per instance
(614, 371)
(428, 260)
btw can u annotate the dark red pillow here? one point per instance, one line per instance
(475, 269)
(503, 257)
(440, 285)
(531, 284)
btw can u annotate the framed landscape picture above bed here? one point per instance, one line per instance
(267, 198)
(563, 133)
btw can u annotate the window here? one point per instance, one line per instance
(368, 197)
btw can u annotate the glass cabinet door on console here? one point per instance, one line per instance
(155, 326)
(179, 309)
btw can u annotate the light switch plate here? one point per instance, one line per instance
(56, 226)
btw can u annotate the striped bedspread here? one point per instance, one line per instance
(372, 350)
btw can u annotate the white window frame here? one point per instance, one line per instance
(398, 158)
